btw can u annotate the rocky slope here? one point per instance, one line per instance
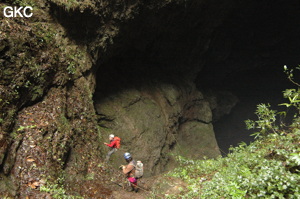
(158, 120)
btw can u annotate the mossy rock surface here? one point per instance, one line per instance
(153, 124)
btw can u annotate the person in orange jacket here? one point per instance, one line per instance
(112, 145)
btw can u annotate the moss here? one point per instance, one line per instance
(74, 57)
(37, 92)
(6, 186)
(23, 3)
(67, 5)
(8, 117)
(61, 142)
(35, 54)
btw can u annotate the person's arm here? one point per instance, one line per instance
(111, 144)
(128, 168)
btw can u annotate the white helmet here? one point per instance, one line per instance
(111, 135)
(127, 155)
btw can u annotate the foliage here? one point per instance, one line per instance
(267, 168)
(293, 95)
(57, 190)
(267, 117)
(290, 74)
(22, 2)
(266, 120)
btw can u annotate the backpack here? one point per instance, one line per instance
(118, 142)
(139, 169)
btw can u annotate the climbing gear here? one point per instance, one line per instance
(139, 169)
(127, 155)
(118, 142)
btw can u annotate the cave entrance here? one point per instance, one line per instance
(243, 54)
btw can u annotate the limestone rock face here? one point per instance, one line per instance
(221, 102)
(51, 65)
(153, 123)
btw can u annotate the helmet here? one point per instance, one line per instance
(127, 155)
(111, 135)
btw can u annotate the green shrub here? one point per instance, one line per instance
(267, 168)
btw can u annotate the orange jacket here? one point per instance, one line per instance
(112, 144)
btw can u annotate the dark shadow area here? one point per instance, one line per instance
(252, 88)
(164, 46)
(82, 26)
(247, 58)
(243, 54)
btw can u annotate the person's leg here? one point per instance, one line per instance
(136, 189)
(133, 184)
(109, 154)
(130, 188)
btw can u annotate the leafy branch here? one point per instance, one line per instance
(290, 74)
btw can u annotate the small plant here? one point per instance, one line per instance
(290, 74)
(57, 190)
(71, 68)
(21, 128)
(266, 120)
(90, 176)
(293, 95)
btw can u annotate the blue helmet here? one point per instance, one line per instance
(127, 155)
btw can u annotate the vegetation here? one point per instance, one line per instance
(57, 190)
(22, 2)
(267, 168)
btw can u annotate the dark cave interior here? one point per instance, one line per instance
(243, 54)
(263, 38)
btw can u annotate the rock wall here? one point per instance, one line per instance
(49, 134)
(158, 120)
(47, 112)
(49, 130)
